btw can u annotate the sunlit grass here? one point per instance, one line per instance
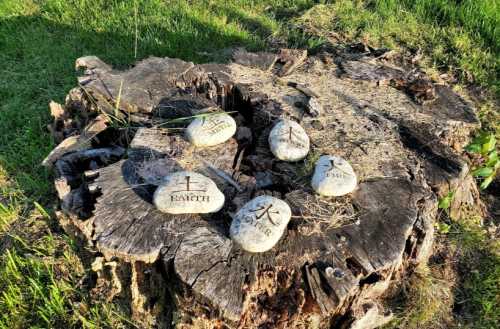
(462, 38)
(39, 40)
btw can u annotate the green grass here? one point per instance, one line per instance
(39, 42)
(423, 302)
(41, 285)
(40, 39)
(460, 288)
(479, 294)
(461, 37)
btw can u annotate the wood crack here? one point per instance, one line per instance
(395, 147)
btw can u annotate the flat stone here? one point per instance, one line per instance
(211, 129)
(333, 176)
(288, 141)
(260, 223)
(187, 192)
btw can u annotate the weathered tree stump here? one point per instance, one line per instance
(338, 255)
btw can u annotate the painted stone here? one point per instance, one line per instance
(333, 176)
(260, 223)
(187, 192)
(210, 130)
(288, 141)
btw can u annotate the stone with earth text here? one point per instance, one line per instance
(187, 192)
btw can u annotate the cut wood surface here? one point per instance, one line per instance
(337, 256)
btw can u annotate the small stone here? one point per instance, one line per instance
(211, 129)
(260, 223)
(187, 192)
(338, 273)
(333, 176)
(288, 141)
(334, 272)
(313, 107)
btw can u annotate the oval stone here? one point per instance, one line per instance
(187, 192)
(210, 130)
(260, 223)
(333, 176)
(288, 141)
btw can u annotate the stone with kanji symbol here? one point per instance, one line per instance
(211, 129)
(260, 223)
(288, 141)
(187, 192)
(333, 176)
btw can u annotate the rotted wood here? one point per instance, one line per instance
(338, 255)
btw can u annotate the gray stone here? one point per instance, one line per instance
(333, 176)
(313, 107)
(211, 129)
(288, 141)
(187, 192)
(260, 223)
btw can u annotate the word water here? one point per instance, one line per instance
(288, 141)
(211, 129)
(187, 192)
(260, 223)
(333, 176)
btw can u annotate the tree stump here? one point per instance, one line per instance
(123, 131)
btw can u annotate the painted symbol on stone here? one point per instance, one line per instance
(267, 211)
(260, 223)
(290, 133)
(187, 192)
(333, 176)
(288, 141)
(331, 170)
(188, 186)
(214, 125)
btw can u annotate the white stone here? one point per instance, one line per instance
(333, 176)
(260, 223)
(187, 192)
(211, 129)
(288, 141)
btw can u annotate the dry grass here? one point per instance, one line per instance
(425, 300)
(321, 213)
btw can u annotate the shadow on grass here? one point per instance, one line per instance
(478, 278)
(38, 57)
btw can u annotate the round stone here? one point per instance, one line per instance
(211, 129)
(288, 141)
(260, 223)
(333, 176)
(187, 192)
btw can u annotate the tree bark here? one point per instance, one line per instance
(337, 256)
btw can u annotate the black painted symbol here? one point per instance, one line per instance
(332, 166)
(266, 211)
(188, 186)
(290, 133)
